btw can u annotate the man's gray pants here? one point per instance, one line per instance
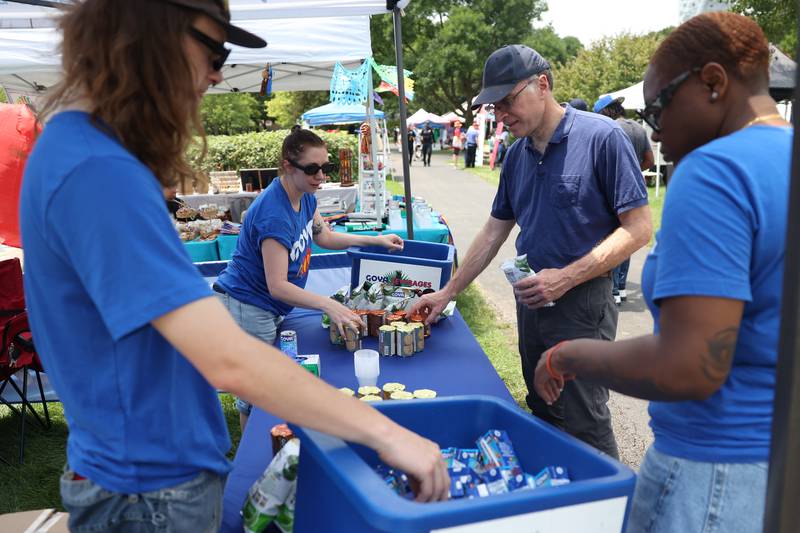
(585, 312)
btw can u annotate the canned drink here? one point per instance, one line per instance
(406, 341)
(386, 340)
(419, 332)
(375, 320)
(364, 316)
(272, 491)
(352, 339)
(336, 337)
(288, 343)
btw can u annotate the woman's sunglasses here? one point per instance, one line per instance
(313, 168)
(652, 112)
(217, 48)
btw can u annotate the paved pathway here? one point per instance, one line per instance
(465, 200)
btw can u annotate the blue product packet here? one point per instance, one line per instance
(469, 457)
(456, 488)
(494, 481)
(552, 476)
(514, 478)
(497, 450)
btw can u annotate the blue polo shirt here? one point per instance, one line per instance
(723, 235)
(102, 261)
(568, 200)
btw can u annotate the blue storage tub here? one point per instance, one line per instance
(338, 489)
(424, 265)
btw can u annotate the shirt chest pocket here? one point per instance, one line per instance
(564, 190)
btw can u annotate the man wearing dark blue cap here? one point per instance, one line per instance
(572, 184)
(612, 108)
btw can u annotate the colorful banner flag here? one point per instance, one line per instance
(388, 75)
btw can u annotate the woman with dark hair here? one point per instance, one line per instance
(133, 339)
(267, 274)
(712, 281)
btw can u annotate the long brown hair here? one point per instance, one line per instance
(127, 59)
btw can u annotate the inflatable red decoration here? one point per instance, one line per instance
(17, 134)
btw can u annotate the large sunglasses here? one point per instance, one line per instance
(652, 111)
(217, 48)
(313, 168)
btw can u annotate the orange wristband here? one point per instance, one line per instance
(549, 364)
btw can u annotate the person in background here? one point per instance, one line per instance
(612, 108)
(502, 148)
(266, 277)
(134, 342)
(411, 137)
(572, 185)
(579, 104)
(472, 144)
(427, 144)
(458, 140)
(713, 282)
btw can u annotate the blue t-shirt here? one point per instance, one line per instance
(569, 200)
(472, 136)
(723, 235)
(103, 260)
(271, 216)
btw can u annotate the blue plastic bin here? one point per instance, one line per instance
(338, 489)
(420, 265)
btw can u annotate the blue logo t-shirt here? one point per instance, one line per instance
(102, 261)
(271, 216)
(723, 235)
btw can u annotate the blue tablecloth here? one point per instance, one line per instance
(453, 363)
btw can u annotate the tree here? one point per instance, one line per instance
(556, 50)
(3, 96)
(232, 113)
(286, 107)
(608, 65)
(778, 19)
(446, 42)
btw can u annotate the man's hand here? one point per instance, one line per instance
(431, 305)
(546, 286)
(548, 388)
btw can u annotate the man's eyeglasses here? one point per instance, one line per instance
(313, 168)
(652, 111)
(217, 48)
(508, 101)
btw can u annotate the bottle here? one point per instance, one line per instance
(395, 218)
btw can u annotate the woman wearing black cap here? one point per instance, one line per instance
(133, 340)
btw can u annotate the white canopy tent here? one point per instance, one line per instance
(634, 96)
(421, 117)
(306, 39)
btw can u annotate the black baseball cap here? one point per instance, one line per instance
(505, 68)
(219, 12)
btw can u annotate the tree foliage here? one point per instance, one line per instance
(446, 42)
(608, 65)
(286, 107)
(778, 19)
(229, 114)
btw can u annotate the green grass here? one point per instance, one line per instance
(497, 339)
(492, 177)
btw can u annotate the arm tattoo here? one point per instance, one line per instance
(316, 227)
(717, 362)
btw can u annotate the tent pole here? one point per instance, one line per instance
(401, 94)
(783, 485)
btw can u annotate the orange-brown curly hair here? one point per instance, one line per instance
(127, 59)
(734, 41)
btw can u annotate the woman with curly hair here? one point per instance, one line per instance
(713, 282)
(132, 337)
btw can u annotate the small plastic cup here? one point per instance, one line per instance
(367, 367)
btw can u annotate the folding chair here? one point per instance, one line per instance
(17, 351)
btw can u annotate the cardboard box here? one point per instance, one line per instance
(39, 521)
